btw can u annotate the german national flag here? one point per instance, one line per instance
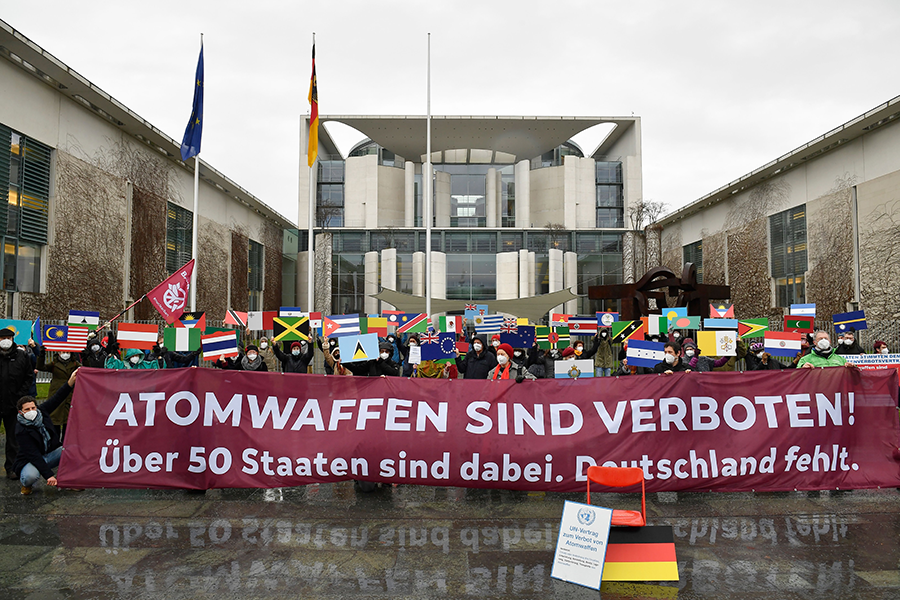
(640, 554)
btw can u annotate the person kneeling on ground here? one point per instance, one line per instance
(39, 445)
(507, 368)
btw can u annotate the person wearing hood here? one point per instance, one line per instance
(519, 357)
(327, 346)
(333, 364)
(16, 375)
(672, 362)
(134, 359)
(385, 365)
(266, 350)
(299, 358)
(847, 344)
(95, 353)
(412, 340)
(823, 355)
(478, 361)
(540, 361)
(395, 348)
(601, 352)
(38, 439)
(60, 369)
(625, 368)
(760, 360)
(507, 368)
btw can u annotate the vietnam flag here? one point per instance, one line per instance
(313, 149)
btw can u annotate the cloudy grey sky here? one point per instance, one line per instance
(721, 87)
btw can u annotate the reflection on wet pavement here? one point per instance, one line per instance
(333, 541)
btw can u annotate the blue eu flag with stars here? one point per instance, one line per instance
(190, 145)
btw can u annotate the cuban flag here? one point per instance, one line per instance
(340, 325)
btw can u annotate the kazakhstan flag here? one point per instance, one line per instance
(190, 145)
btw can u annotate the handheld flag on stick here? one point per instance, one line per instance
(803, 310)
(286, 329)
(341, 325)
(523, 337)
(190, 145)
(720, 323)
(606, 319)
(170, 297)
(313, 149)
(36, 333)
(438, 346)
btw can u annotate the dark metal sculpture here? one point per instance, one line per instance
(686, 290)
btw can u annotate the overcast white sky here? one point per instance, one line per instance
(721, 87)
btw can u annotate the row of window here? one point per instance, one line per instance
(787, 246)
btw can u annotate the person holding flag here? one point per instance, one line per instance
(16, 375)
(60, 369)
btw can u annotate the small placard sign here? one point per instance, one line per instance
(581, 546)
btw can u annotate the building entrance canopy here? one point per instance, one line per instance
(534, 308)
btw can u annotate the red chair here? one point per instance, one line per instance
(621, 477)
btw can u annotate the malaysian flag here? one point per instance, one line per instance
(65, 338)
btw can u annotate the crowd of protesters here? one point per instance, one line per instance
(39, 429)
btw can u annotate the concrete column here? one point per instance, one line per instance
(371, 285)
(653, 235)
(418, 264)
(555, 273)
(302, 292)
(571, 281)
(388, 273)
(629, 267)
(523, 194)
(438, 275)
(523, 273)
(490, 201)
(409, 195)
(507, 275)
(322, 273)
(531, 274)
(499, 180)
(441, 199)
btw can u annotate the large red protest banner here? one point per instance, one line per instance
(198, 428)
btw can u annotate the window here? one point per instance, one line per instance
(348, 283)
(787, 236)
(330, 194)
(599, 263)
(693, 253)
(471, 276)
(610, 194)
(25, 186)
(255, 267)
(508, 197)
(179, 237)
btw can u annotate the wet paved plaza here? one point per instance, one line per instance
(334, 541)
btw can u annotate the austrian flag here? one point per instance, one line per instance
(170, 297)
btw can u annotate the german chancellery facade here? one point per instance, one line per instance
(100, 205)
(820, 224)
(518, 208)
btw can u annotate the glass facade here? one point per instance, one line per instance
(787, 238)
(693, 253)
(330, 194)
(179, 237)
(610, 194)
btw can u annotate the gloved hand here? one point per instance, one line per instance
(520, 379)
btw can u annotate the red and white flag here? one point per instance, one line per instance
(171, 296)
(137, 335)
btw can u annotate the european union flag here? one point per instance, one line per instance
(190, 145)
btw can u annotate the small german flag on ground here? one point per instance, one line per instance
(640, 554)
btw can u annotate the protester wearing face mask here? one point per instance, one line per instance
(94, 354)
(409, 369)
(693, 361)
(40, 446)
(507, 368)
(60, 369)
(267, 351)
(495, 343)
(823, 354)
(671, 362)
(849, 344)
(299, 358)
(385, 365)
(478, 361)
(881, 348)
(760, 360)
(333, 364)
(518, 356)
(329, 345)
(134, 359)
(16, 375)
(601, 352)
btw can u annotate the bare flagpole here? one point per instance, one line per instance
(427, 177)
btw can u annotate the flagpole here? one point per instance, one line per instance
(310, 219)
(426, 201)
(195, 221)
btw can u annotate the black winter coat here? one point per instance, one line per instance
(31, 443)
(294, 364)
(755, 364)
(16, 376)
(473, 366)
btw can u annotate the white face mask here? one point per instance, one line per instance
(670, 359)
(502, 360)
(252, 356)
(676, 335)
(759, 354)
(579, 349)
(6, 344)
(477, 347)
(134, 360)
(263, 345)
(823, 344)
(96, 347)
(384, 355)
(30, 415)
(64, 356)
(413, 344)
(689, 353)
(295, 352)
(848, 342)
(884, 350)
(517, 354)
(495, 343)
